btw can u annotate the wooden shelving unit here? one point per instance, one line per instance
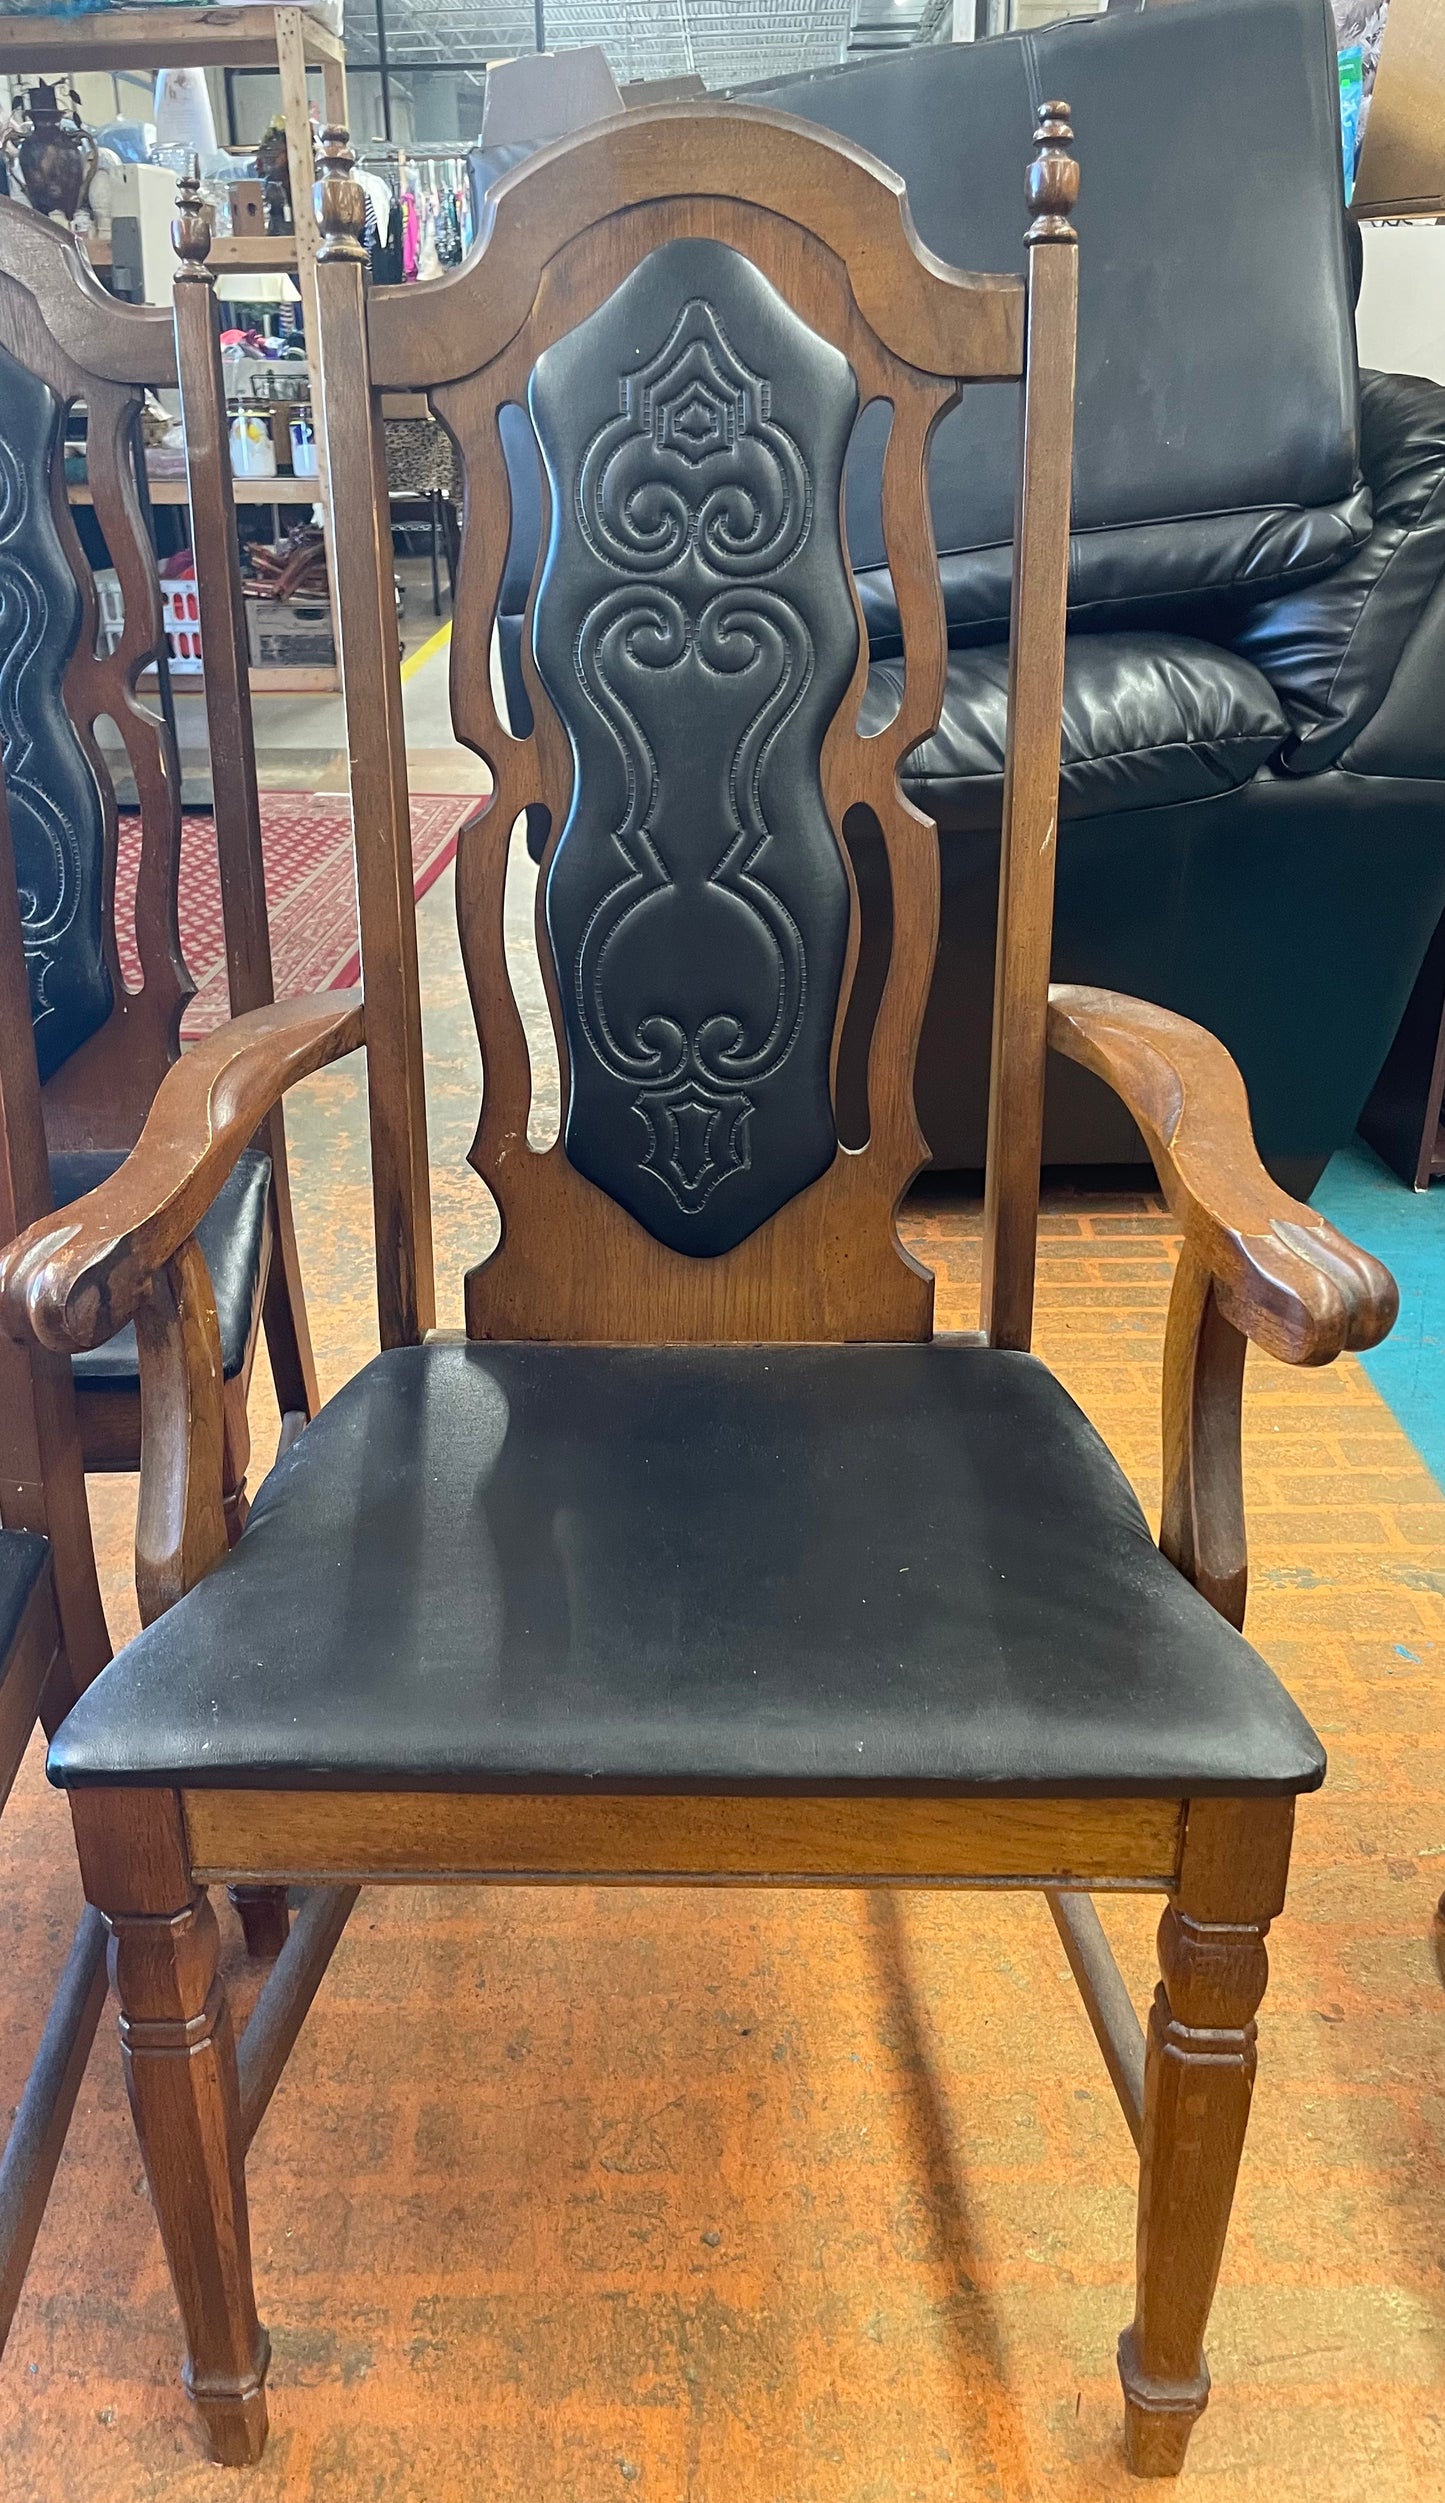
(299, 680)
(279, 490)
(148, 39)
(266, 252)
(288, 40)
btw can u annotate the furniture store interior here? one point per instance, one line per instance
(707, 703)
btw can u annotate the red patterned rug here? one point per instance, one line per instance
(310, 893)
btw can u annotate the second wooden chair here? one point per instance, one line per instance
(103, 1046)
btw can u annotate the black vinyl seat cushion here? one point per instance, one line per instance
(1149, 720)
(232, 1235)
(827, 1569)
(22, 1561)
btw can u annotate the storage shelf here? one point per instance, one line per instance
(228, 252)
(288, 40)
(237, 39)
(282, 490)
(271, 681)
(253, 252)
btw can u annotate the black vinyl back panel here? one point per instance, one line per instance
(56, 816)
(695, 630)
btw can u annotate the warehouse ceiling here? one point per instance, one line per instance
(726, 43)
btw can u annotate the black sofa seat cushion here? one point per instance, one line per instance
(22, 1561)
(1147, 722)
(671, 1569)
(232, 1234)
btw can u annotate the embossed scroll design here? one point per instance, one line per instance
(739, 503)
(691, 1094)
(45, 765)
(696, 487)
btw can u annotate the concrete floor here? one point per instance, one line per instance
(301, 740)
(796, 2198)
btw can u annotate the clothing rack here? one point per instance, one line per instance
(433, 220)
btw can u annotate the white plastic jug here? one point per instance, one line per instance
(253, 454)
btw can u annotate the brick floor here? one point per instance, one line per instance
(813, 2198)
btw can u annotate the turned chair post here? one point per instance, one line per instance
(262, 1910)
(235, 791)
(1029, 834)
(376, 738)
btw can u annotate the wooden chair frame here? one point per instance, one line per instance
(1255, 1265)
(89, 346)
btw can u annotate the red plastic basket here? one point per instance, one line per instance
(182, 613)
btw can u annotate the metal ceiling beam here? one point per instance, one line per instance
(727, 42)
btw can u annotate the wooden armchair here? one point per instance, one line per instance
(701, 1559)
(103, 1048)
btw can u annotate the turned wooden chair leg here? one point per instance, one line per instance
(180, 2069)
(1199, 2076)
(265, 1918)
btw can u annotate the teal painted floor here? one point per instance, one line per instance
(1405, 1229)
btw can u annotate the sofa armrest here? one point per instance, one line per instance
(76, 1277)
(1331, 649)
(1281, 1274)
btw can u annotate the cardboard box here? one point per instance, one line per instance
(1401, 171)
(248, 209)
(290, 634)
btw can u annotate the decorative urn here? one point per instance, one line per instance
(57, 155)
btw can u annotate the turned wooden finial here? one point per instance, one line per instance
(191, 227)
(340, 201)
(1052, 181)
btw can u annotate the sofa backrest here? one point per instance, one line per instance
(1217, 446)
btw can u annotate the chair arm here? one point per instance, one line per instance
(74, 1278)
(1281, 1273)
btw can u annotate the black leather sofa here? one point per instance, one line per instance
(1253, 810)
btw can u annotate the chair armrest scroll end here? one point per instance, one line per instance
(1282, 1273)
(74, 1278)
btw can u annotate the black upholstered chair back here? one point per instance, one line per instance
(678, 319)
(695, 631)
(55, 803)
(102, 1047)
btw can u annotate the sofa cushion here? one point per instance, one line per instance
(1147, 723)
(1334, 649)
(1192, 574)
(1217, 437)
